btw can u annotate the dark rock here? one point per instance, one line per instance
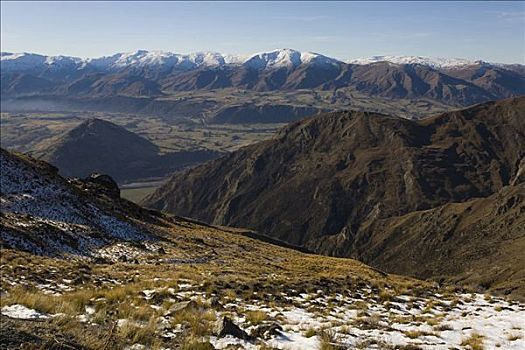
(106, 184)
(225, 327)
(82, 279)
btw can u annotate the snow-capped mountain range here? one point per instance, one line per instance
(434, 62)
(154, 74)
(143, 58)
(264, 60)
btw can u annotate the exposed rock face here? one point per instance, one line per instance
(320, 180)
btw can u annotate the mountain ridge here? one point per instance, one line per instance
(144, 75)
(319, 180)
(277, 57)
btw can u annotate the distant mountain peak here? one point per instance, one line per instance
(97, 144)
(286, 58)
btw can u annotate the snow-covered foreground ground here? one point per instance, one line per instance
(426, 323)
(364, 319)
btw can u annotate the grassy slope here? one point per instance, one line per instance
(237, 267)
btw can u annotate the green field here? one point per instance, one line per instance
(27, 132)
(136, 191)
(30, 131)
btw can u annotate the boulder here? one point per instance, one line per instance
(182, 306)
(225, 327)
(104, 184)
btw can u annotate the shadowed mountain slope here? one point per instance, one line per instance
(68, 248)
(479, 242)
(319, 180)
(97, 145)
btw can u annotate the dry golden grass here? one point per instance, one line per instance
(138, 333)
(328, 340)
(413, 334)
(32, 299)
(514, 336)
(256, 317)
(310, 332)
(385, 295)
(242, 266)
(197, 322)
(474, 342)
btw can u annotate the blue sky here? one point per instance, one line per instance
(492, 31)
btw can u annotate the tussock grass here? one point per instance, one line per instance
(443, 327)
(328, 340)
(197, 322)
(193, 344)
(474, 342)
(369, 322)
(256, 317)
(101, 316)
(310, 332)
(413, 334)
(115, 291)
(32, 299)
(514, 336)
(140, 334)
(385, 295)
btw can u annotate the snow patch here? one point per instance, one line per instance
(22, 312)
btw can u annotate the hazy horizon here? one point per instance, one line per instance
(343, 30)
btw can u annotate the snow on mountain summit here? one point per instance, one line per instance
(264, 60)
(27, 61)
(435, 62)
(142, 58)
(286, 58)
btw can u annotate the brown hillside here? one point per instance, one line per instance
(323, 177)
